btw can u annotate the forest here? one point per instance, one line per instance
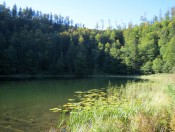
(34, 43)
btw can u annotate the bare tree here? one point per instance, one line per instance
(102, 24)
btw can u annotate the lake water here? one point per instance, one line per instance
(25, 104)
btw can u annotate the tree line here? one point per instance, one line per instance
(35, 43)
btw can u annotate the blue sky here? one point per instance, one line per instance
(89, 12)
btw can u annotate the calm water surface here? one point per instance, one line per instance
(25, 104)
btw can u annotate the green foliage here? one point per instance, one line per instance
(60, 65)
(146, 106)
(146, 68)
(80, 62)
(157, 65)
(36, 43)
(169, 55)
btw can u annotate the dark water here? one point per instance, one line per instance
(25, 104)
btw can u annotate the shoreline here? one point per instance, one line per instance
(71, 76)
(23, 76)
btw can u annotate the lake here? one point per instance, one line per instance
(25, 104)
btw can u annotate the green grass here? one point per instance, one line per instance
(137, 107)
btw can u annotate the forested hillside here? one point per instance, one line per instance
(36, 43)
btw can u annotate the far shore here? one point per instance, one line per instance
(24, 76)
(52, 76)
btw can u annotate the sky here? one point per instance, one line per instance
(89, 12)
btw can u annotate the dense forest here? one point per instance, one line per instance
(35, 43)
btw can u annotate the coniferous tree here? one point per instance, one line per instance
(35, 43)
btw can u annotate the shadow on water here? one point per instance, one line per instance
(25, 102)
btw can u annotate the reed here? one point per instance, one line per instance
(138, 106)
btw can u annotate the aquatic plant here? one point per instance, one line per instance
(144, 106)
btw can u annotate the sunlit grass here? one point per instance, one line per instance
(138, 106)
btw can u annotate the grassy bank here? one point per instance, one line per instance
(144, 106)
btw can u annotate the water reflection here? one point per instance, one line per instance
(25, 104)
